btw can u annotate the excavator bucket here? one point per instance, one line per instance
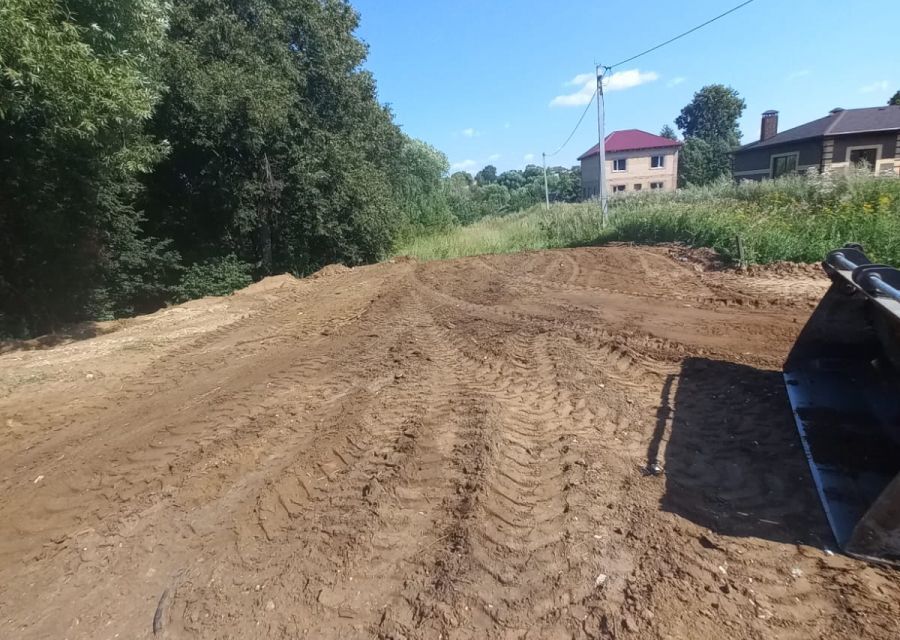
(843, 382)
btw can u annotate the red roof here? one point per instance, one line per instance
(631, 140)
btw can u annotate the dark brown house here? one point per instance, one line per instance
(843, 138)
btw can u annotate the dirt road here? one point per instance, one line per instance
(459, 449)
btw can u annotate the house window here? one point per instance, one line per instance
(656, 185)
(868, 156)
(657, 162)
(784, 164)
(619, 165)
(638, 186)
(618, 188)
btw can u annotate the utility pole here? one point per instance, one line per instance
(604, 201)
(546, 190)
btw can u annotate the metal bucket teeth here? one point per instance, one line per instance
(843, 381)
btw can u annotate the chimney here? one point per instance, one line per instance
(769, 125)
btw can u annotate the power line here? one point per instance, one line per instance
(681, 35)
(583, 113)
(635, 57)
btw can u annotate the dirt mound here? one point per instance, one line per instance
(330, 270)
(704, 258)
(269, 284)
(786, 270)
(558, 444)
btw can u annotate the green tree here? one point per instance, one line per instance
(710, 120)
(488, 175)
(513, 179)
(895, 99)
(533, 171)
(568, 184)
(525, 197)
(77, 83)
(701, 162)
(418, 187)
(280, 152)
(458, 188)
(668, 132)
(491, 199)
(712, 114)
(462, 178)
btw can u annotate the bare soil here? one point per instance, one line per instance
(590, 443)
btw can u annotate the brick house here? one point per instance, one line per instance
(843, 138)
(635, 161)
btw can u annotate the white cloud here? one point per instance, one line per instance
(464, 165)
(580, 97)
(528, 157)
(580, 79)
(618, 81)
(470, 132)
(797, 74)
(627, 79)
(881, 85)
(674, 82)
(494, 157)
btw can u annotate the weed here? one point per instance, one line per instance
(795, 218)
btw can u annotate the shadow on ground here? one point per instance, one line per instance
(733, 462)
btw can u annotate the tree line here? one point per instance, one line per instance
(486, 193)
(157, 150)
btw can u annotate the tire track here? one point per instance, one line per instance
(455, 449)
(516, 474)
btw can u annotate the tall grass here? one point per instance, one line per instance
(795, 218)
(533, 228)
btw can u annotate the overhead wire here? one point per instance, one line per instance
(578, 124)
(635, 57)
(680, 35)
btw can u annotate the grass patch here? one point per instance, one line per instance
(532, 228)
(796, 218)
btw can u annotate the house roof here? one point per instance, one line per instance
(837, 123)
(630, 140)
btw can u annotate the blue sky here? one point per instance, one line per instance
(478, 79)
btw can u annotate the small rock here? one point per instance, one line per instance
(653, 469)
(708, 543)
(270, 605)
(601, 579)
(38, 479)
(796, 572)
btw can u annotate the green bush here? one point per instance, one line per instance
(214, 277)
(795, 218)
